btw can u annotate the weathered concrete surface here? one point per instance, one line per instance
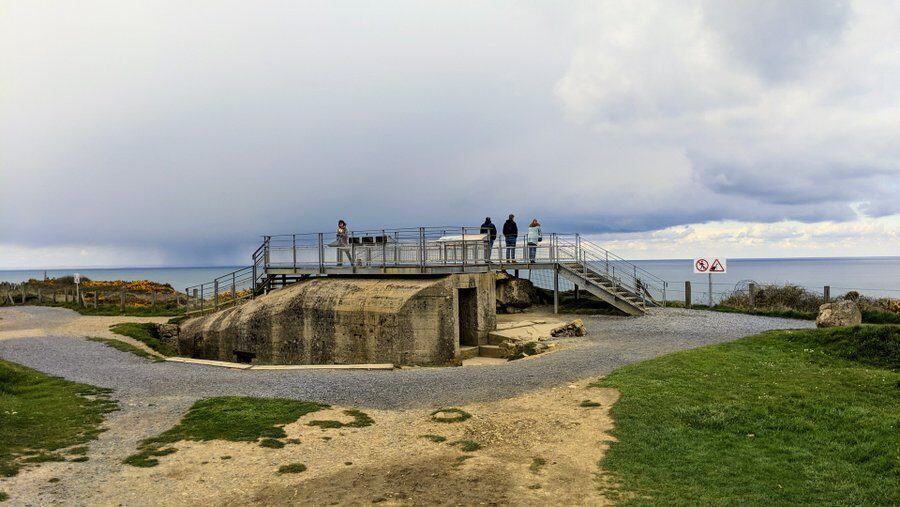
(346, 320)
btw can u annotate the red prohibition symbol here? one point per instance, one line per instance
(702, 265)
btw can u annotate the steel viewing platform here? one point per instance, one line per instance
(286, 258)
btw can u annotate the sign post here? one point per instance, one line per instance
(77, 278)
(708, 266)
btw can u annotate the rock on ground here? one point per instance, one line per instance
(514, 293)
(574, 328)
(839, 314)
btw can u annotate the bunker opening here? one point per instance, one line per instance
(242, 356)
(467, 318)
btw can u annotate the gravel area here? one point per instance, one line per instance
(611, 343)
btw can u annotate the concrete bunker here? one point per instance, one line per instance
(400, 319)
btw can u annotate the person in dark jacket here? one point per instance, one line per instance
(511, 234)
(491, 230)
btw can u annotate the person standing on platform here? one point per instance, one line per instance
(490, 230)
(511, 235)
(533, 238)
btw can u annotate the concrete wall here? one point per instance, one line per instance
(345, 320)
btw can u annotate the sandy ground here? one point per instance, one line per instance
(389, 462)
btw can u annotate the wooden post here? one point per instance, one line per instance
(687, 294)
(23, 293)
(153, 298)
(54, 295)
(40, 295)
(195, 299)
(65, 294)
(827, 293)
(122, 301)
(752, 295)
(96, 299)
(576, 292)
(215, 294)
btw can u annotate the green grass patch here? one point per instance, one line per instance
(293, 468)
(537, 464)
(450, 415)
(588, 403)
(360, 420)
(41, 415)
(879, 317)
(146, 333)
(780, 418)
(126, 347)
(434, 438)
(868, 316)
(3, 496)
(466, 445)
(271, 443)
(231, 418)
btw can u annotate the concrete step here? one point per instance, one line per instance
(489, 351)
(467, 352)
(495, 339)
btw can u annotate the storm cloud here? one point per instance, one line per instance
(186, 130)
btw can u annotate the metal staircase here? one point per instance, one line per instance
(284, 259)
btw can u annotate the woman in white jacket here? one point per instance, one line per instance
(533, 237)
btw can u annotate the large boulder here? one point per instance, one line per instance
(839, 314)
(514, 293)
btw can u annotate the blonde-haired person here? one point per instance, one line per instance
(533, 237)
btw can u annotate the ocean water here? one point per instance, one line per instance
(872, 276)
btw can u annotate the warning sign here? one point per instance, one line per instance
(704, 265)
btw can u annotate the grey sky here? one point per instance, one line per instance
(177, 132)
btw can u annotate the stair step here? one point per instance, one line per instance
(489, 351)
(467, 352)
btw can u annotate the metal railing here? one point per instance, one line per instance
(419, 249)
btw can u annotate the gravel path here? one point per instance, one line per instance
(611, 343)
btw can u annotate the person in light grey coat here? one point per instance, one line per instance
(342, 242)
(533, 237)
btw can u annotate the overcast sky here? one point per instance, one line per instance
(175, 133)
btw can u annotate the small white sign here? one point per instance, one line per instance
(706, 265)
(77, 278)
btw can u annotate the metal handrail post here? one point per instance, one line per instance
(201, 298)
(215, 294)
(352, 254)
(294, 249)
(422, 252)
(465, 248)
(396, 248)
(383, 249)
(321, 245)
(266, 253)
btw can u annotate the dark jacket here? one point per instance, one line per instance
(489, 228)
(510, 228)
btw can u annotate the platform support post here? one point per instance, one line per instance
(556, 289)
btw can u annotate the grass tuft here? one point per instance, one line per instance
(780, 418)
(536, 464)
(293, 468)
(589, 404)
(40, 415)
(146, 333)
(434, 438)
(3, 496)
(360, 420)
(232, 418)
(466, 445)
(440, 415)
(126, 347)
(271, 443)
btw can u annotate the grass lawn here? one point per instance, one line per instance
(126, 347)
(234, 418)
(868, 316)
(41, 416)
(785, 417)
(146, 333)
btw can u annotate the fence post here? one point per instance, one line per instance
(195, 297)
(122, 301)
(215, 294)
(153, 298)
(40, 295)
(752, 295)
(665, 286)
(201, 297)
(321, 242)
(576, 292)
(687, 294)
(96, 299)
(233, 290)
(23, 293)
(827, 293)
